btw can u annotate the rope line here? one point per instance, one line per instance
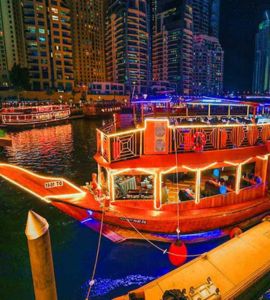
(92, 281)
(164, 251)
(177, 186)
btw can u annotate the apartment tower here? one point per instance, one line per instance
(127, 44)
(261, 80)
(88, 41)
(47, 25)
(12, 48)
(172, 43)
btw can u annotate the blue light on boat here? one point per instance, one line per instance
(86, 220)
(213, 234)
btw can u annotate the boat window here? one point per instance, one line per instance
(249, 176)
(103, 177)
(218, 181)
(131, 187)
(238, 110)
(178, 187)
(219, 110)
(198, 110)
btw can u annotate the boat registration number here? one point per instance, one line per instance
(53, 184)
(138, 221)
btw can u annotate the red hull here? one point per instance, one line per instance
(122, 218)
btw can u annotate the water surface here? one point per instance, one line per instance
(67, 150)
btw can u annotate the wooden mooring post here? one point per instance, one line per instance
(39, 244)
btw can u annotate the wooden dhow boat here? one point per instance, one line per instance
(198, 169)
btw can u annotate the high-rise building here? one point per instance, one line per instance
(47, 25)
(201, 16)
(172, 43)
(127, 44)
(214, 18)
(206, 15)
(261, 80)
(88, 41)
(207, 66)
(12, 49)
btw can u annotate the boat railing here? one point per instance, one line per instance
(127, 144)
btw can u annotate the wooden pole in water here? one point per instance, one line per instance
(39, 244)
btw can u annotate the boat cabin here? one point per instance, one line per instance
(199, 153)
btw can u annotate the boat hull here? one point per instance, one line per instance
(213, 218)
(195, 226)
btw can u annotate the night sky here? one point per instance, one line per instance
(239, 24)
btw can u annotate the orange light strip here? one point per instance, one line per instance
(47, 198)
(265, 157)
(238, 172)
(151, 172)
(24, 188)
(177, 126)
(198, 179)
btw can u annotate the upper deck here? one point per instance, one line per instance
(158, 128)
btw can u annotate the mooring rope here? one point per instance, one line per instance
(92, 281)
(177, 186)
(164, 251)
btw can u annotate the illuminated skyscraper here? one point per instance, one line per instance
(207, 66)
(214, 18)
(48, 41)
(88, 40)
(127, 44)
(206, 17)
(201, 16)
(12, 49)
(172, 43)
(261, 80)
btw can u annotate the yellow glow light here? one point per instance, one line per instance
(24, 188)
(200, 169)
(74, 196)
(265, 157)
(178, 126)
(238, 172)
(198, 179)
(146, 171)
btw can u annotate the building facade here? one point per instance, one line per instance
(106, 88)
(127, 44)
(172, 43)
(207, 66)
(201, 16)
(88, 41)
(214, 18)
(261, 80)
(206, 14)
(12, 48)
(47, 26)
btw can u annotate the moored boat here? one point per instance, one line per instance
(198, 169)
(195, 167)
(101, 108)
(33, 115)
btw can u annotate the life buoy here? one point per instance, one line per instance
(199, 141)
(236, 231)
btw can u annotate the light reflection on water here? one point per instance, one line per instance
(48, 149)
(67, 150)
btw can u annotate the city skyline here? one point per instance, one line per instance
(84, 49)
(239, 22)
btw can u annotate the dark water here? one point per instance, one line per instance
(67, 150)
